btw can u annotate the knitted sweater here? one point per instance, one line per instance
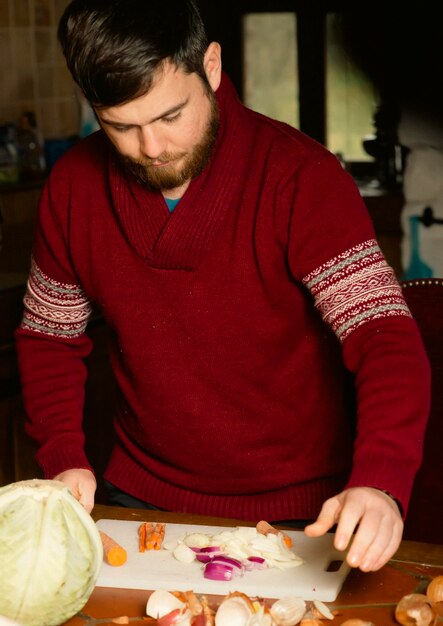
(233, 321)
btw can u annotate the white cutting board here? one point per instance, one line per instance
(160, 570)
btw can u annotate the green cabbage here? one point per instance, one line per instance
(50, 553)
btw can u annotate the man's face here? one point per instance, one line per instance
(165, 137)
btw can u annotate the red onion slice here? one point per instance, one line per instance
(255, 562)
(219, 571)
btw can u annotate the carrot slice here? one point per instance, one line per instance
(264, 528)
(113, 553)
(143, 530)
(155, 538)
(151, 537)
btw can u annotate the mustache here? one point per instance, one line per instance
(166, 157)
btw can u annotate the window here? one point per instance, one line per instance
(351, 99)
(270, 60)
(271, 81)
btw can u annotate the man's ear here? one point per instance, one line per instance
(213, 64)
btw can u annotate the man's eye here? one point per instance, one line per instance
(122, 129)
(171, 118)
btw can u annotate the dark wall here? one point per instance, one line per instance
(399, 45)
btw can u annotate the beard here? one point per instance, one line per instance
(194, 162)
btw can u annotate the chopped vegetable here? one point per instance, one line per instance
(184, 554)
(265, 528)
(220, 571)
(151, 536)
(249, 548)
(113, 553)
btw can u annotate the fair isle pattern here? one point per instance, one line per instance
(356, 287)
(54, 308)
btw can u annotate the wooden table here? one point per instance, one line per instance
(371, 597)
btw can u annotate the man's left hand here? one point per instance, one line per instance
(374, 516)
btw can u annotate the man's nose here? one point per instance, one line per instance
(152, 143)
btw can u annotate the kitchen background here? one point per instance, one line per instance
(33, 75)
(286, 59)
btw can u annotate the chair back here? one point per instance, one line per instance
(424, 521)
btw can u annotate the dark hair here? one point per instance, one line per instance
(114, 47)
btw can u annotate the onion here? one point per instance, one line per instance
(209, 550)
(183, 553)
(248, 549)
(161, 603)
(175, 618)
(235, 610)
(205, 554)
(226, 560)
(203, 558)
(288, 610)
(254, 562)
(220, 571)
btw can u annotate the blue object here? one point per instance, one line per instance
(55, 148)
(417, 267)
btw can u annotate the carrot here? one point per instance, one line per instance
(113, 553)
(264, 528)
(151, 537)
(143, 529)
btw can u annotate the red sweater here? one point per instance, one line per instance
(231, 319)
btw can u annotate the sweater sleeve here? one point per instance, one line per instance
(51, 341)
(334, 252)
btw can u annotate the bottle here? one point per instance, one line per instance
(31, 159)
(8, 153)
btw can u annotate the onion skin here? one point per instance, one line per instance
(435, 590)
(415, 609)
(235, 610)
(288, 610)
(162, 602)
(169, 618)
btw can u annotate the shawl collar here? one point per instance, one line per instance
(180, 240)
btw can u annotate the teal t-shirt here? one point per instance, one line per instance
(171, 203)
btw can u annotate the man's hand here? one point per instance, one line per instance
(379, 522)
(82, 483)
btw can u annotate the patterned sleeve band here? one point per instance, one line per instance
(356, 287)
(54, 308)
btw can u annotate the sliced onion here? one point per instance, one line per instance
(203, 558)
(220, 571)
(254, 562)
(205, 554)
(227, 560)
(210, 549)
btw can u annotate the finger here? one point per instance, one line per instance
(369, 535)
(326, 519)
(348, 521)
(376, 540)
(86, 494)
(87, 503)
(379, 555)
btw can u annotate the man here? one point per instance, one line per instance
(237, 268)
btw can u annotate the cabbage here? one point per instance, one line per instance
(50, 553)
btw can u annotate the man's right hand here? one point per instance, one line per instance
(82, 483)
